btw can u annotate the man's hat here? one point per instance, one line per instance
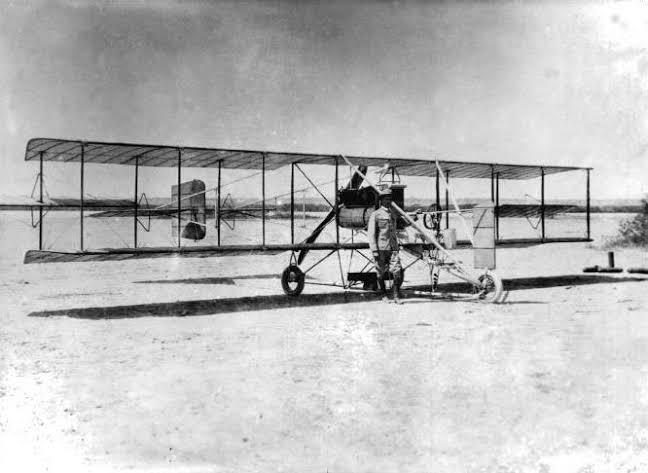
(385, 192)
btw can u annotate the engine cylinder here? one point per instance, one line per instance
(356, 218)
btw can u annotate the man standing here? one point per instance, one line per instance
(383, 243)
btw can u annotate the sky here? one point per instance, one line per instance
(554, 83)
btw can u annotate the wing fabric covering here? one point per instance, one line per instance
(120, 254)
(61, 150)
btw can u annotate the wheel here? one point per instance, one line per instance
(431, 220)
(491, 289)
(292, 280)
(427, 221)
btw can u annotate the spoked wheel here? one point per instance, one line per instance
(491, 288)
(292, 280)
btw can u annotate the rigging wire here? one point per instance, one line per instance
(102, 220)
(53, 179)
(16, 219)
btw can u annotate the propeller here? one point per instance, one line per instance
(354, 183)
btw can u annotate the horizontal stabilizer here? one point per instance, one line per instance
(168, 212)
(67, 204)
(531, 210)
(143, 212)
(91, 203)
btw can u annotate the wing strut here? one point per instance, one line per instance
(450, 192)
(353, 183)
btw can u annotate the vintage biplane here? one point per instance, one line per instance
(422, 234)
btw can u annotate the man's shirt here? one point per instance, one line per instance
(381, 230)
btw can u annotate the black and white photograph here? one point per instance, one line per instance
(324, 236)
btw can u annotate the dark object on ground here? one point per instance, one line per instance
(638, 270)
(369, 280)
(601, 269)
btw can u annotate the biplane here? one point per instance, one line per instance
(422, 234)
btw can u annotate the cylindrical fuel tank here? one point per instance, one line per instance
(356, 218)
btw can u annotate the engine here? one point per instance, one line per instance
(357, 205)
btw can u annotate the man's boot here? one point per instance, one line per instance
(382, 290)
(398, 280)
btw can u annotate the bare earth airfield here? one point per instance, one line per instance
(203, 365)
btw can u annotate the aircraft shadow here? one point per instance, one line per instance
(227, 280)
(278, 301)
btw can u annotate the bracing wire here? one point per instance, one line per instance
(113, 231)
(55, 180)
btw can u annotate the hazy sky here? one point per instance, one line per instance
(513, 82)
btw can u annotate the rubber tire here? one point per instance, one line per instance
(429, 224)
(428, 221)
(286, 280)
(493, 295)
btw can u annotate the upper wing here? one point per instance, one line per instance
(52, 149)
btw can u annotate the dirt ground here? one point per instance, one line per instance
(201, 365)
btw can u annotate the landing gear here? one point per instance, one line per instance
(292, 280)
(491, 288)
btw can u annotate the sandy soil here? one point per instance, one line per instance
(181, 365)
